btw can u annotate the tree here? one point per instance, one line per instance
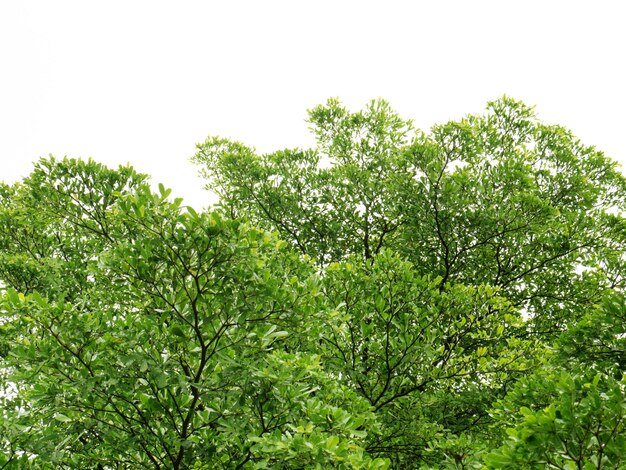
(499, 199)
(428, 361)
(457, 257)
(137, 334)
(571, 413)
(390, 298)
(582, 427)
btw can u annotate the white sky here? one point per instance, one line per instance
(144, 81)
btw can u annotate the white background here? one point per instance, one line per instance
(144, 81)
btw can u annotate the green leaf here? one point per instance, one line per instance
(62, 418)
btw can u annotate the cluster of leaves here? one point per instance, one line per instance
(461, 261)
(571, 413)
(141, 335)
(388, 299)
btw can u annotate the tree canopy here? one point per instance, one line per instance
(388, 299)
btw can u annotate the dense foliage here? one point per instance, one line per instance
(389, 299)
